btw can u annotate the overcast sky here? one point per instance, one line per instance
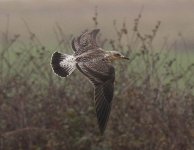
(76, 15)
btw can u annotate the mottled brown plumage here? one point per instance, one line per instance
(95, 64)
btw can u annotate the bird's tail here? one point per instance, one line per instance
(63, 64)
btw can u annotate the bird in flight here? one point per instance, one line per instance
(94, 63)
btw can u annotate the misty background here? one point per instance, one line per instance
(153, 105)
(176, 16)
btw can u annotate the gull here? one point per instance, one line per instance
(94, 63)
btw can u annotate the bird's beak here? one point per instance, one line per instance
(123, 57)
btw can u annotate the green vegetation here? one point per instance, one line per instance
(152, 108)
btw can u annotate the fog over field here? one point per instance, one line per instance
(76, 15)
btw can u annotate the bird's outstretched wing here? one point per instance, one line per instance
(86, 41)
(102, 75)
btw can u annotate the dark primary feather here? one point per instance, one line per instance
(102, 75)
(86, 41)
(103, 98)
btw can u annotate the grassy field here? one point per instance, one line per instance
(152, 108)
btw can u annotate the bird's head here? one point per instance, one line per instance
(114, 55)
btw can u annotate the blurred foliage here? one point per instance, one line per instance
(152, 108)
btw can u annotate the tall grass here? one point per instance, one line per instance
(152, 108)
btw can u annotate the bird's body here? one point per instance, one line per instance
(95, 64)
(95, 55)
